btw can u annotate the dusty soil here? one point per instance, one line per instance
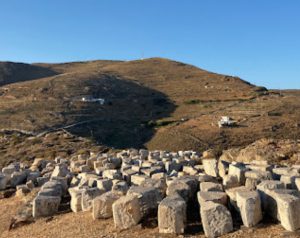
(82, 225)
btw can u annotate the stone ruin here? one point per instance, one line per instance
(133, 186)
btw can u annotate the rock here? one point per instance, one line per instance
(289, 210)
(251, 183)
(152, 170)
(208, 154)
(22, 190)
(210, 167)
(56, 186)
(127, 174)
(216, 219)
(209, 186)
(297, 183)
(172, 166)
(223, 167)
(30, 184)
(44, 206)
(270, 206)
(120, 187)
(102, 205)
(232, 194)
(32, 176)
(8, 170)
(111, 174)
(172, 215)
(238, 170)
(289, 181)
(104, 184)
(186, 187)
(126, 212)
(41, 181)
(17, 178)
(3, 181)
(76, 197)
(88, 195)
(149, 198)
(250, 207)
(159, 184)
(158, 176)
(212, 196)
(63, 181)
(190, 170)
(263, 188)
(230, 181)
(137, 179)
(60, 170)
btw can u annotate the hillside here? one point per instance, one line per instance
(16, 72)
(155, 103)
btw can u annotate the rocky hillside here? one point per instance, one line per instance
(154, 103)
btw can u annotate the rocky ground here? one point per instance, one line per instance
(244, 192)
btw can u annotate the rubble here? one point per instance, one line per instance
(133, 186)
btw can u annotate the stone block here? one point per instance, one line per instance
(232, 194)
(44, 206)
(88, 195)
(149, 198)
(212, 196)
(210, 186)
(216, 219)
(250, 207)
(210, 167)
(172, 215)
(102, 205)
(76, 197)
(104, 184)
(289, 210)
(126, 212)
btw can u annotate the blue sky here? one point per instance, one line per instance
(257, 40)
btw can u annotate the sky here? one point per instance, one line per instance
(257, 40)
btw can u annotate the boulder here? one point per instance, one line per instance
(289, 210)
(3, 182)
(22, 190)
(76, 197)
(149, 198)
(232, 194)
(102, 205)
(230, 181)
(126, 212)
(210, 186)
(60, 170)
(250, 207)
(120, 187)
(44, 206)
(238, 170)
(185, 187)
(210, 167)
(172, 215)
(104, 184)
(212, 196)
(17, 178)
(263, 188)
(216, 219)
(88, 195)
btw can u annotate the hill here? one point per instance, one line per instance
(16, 72)
(155, 103)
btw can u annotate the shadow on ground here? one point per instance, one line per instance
(128, 117)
